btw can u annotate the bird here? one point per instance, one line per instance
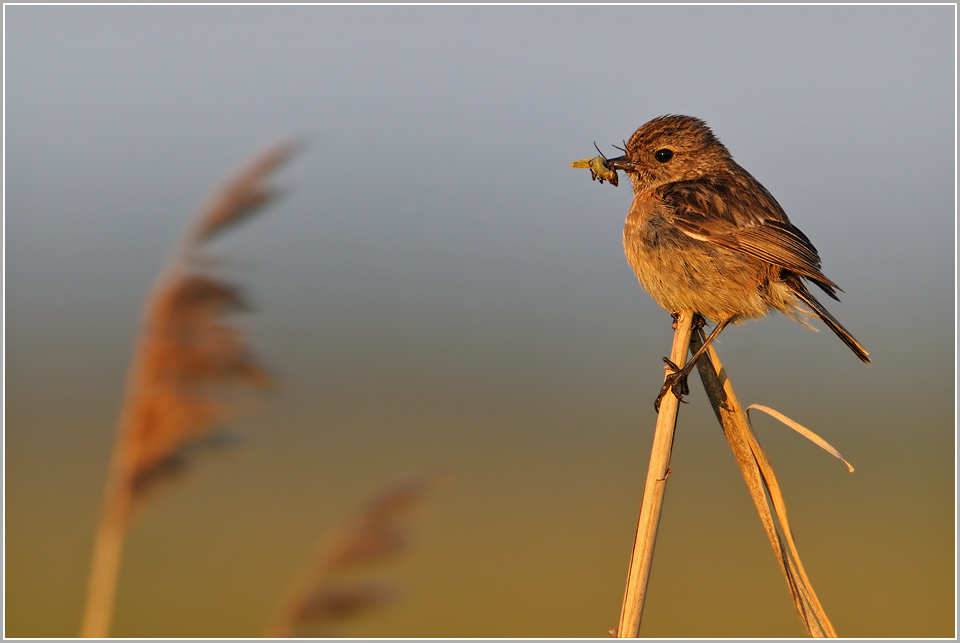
(703, 234)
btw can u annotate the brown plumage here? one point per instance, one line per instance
(702, 234)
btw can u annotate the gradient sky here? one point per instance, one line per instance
(438, 288)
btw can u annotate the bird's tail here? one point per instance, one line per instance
(830, 321)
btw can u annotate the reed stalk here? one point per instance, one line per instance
(762, 483)
(757, 472)
(657, 472)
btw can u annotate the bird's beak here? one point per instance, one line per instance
(619, 163)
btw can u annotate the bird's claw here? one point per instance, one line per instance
(676, 382)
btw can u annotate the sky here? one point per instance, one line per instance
(437, 288)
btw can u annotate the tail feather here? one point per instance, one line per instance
(831, 321)
(831, 288)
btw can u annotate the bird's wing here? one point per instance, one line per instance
(741, 215)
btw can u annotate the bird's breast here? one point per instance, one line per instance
(681, 272)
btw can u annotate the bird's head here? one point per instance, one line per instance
(670, 149)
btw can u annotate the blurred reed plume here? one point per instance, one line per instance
(188, 361)
(321, 594)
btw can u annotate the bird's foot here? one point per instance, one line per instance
(698, 320)
(675, 382)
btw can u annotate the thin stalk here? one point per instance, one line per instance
(105, 567)
(659, 469)
(118, 498)
(762, 483)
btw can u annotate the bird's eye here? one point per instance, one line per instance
(663, 155)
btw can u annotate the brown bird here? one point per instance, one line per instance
(702, 234)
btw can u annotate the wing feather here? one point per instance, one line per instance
(744, 218)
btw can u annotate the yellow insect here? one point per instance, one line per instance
(599, 171)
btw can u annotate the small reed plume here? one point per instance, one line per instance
(188, 359)
(321, 595)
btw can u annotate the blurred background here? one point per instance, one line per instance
(438, 289)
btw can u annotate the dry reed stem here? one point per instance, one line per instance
(657, 472)
(764, 489)
(186, 356)
(320, 595)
